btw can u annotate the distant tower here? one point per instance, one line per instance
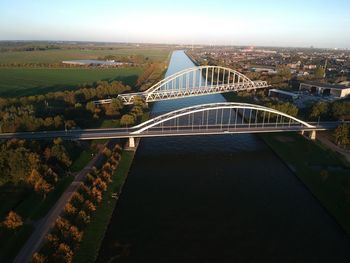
(325, 67)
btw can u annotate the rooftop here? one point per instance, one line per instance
(324, 85)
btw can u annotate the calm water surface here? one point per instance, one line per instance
(216, 199)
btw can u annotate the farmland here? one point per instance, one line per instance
(57, 55)
(35, 75)
(30, 81)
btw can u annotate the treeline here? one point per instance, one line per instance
(60, 65)
(100, 90)
(134, 59)
(13, 47)
(68, 231)
(341, 135)
(284, 107)
(339, 110)
(14, 119)
(60, 109)
(151, 75)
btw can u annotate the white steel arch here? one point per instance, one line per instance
(209, 107)
(195, 81)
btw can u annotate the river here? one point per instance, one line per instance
(222, 198)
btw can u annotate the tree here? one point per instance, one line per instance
(90, 106)
(39, 184)
(319, 73)
(127, 120)
(58, 121)
(114, 107)
(101, 185)
(12, 221)
(77, 199)
(341, 110)
(63, 254)
(96, 194)
(89, 206)
(83, 219)
(70, 209)
(318, 109)
(284, 72)
(59, 152)
(341, 134)
(38, 258)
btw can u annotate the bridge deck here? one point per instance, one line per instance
(90, 134)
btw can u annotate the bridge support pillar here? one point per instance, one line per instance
(131, 142)
(312, 135)
(302, 132)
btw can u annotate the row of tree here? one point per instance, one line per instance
(339, 110)
(68, 231)
(151, 75)
(342, 135)
(100, 90)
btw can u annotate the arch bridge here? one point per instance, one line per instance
(194, 81)
(205, 119)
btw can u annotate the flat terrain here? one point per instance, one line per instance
(57, 55)
(31, 81)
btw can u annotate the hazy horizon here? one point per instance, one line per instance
(321, 24)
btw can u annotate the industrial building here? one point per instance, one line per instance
(282, 94)
(338, 91)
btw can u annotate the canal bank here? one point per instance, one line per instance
(324, 172)
(216, 199)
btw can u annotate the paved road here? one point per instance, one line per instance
(45, 224)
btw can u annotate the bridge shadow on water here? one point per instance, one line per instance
(218, 199)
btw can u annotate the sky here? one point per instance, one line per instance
(298, 23)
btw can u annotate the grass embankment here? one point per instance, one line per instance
(95, 231)
(324, 172)
(33, 81)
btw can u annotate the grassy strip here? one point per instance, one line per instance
(325, 174)
(35, 207)
(14, 243)
(52, 198)
(95, 231)
(82, 160)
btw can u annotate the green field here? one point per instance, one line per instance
(56, 56)
(31, 81)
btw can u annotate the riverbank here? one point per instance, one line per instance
(192, 59)
(324, 172)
